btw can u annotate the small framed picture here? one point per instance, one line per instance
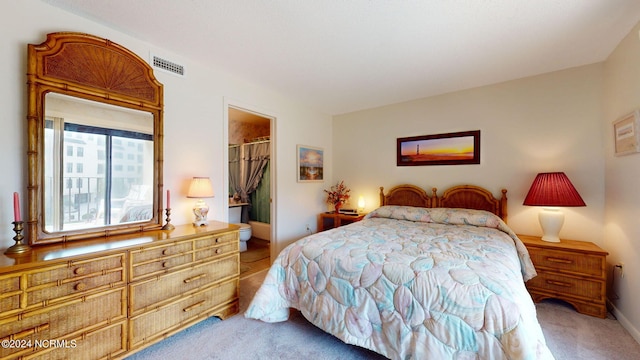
(457, 148)
(310, 164)
(625, 130)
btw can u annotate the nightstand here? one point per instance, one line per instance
(330, 220)
(573, 271)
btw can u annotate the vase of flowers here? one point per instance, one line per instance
(337, 195)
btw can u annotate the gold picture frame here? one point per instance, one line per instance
(626, 135)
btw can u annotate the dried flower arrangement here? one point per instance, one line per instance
(337, 195)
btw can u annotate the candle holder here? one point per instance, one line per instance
(168, 225)
(19, 247)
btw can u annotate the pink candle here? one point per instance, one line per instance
(168, 199)
(16, 207)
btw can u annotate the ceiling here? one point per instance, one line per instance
(339, 56)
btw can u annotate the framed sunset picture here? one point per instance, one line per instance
(310, 164)
(457, 148)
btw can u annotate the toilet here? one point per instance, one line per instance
(235, 215)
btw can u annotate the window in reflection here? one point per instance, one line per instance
(103, 177)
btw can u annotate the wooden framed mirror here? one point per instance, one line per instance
(94, 140)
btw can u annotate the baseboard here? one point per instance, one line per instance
(626, 324)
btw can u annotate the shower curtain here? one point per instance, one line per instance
(251, 159)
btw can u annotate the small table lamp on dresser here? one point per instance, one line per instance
(552, 190)
(200, 188)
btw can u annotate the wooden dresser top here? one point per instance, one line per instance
(45, 253)
(573, 245)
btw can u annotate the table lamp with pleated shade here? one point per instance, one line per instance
(550, 191)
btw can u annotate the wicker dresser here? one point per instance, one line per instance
(107, 299)
(570, 270)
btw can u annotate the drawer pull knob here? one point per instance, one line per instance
(194, 278)
(218, 251)
(558, 283)
(562, 261)
(165, 264)
(165, 252)
(79, 271)
(28, 332)
(218, 240)
(191, 307)
(80, 286)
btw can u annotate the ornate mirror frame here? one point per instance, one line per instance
(91, 68)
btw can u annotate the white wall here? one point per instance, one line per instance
(622, 96)
(544, 123)
(194, 123)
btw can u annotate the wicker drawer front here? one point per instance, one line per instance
(217, 251)
(75, 270)
(565, 285)
(172, 286)
(10, 292)
(218, 239)
(61, 321)
(104, 343)
(578, 263)
(159, 259)
(160, 266)
(160, 252)
(155, 324)
(55, 292)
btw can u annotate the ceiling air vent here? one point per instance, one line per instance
(168, 66)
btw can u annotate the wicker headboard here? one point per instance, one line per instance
(462, 196)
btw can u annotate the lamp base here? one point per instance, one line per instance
(551, 221)
(200, 210)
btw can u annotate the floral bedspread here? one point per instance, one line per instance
(412, 283)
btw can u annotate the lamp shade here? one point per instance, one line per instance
(200, 188)
(553, 189)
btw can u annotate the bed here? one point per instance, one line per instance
(421, 277)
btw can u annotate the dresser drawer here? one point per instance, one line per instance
(150, 326)
(159, 259)
(219, 239)
(174, 285)
(59, 291)
(104, 343)
(74, 270)
(160, 252)
(571, 262)
(10, 292)
(570, 286)
(217, 251)
(61, 321)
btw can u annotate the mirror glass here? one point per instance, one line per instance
(98, 164)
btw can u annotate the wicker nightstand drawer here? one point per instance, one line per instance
(149, 326)
(570, 262)
(570, 286)
(180, 283)
(570, 270)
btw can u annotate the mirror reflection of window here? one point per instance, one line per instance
(104, 174)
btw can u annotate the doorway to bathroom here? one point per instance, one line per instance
(250, 191)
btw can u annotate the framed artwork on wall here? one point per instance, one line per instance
(625, 130)
(310, 164)
(457, 148)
